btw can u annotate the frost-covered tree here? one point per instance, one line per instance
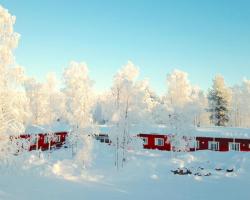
(38, 101)
(179, 88)
(128, 103)
(56, 99)
(142, 99)
(219, 98)
(46, 100)
(13, 101)
(122, 94)
(79, 103)
(178, 96)
(183, 103)
(143, 102)
(184, 108)
(160, 112)
(98, 112)
(240, 109)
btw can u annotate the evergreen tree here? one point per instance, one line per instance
(219, 99)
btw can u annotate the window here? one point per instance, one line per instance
(234, 146)
(46, 139)
(33, 139)
(214, 146)
(197, 144)
(107, 140)
(101, 139)
(145, 140)
(97, 137)
(159, 142)
(57, 138)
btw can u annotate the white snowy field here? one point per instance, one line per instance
(146, 175)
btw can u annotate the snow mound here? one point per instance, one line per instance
(71, 172)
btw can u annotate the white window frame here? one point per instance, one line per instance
(102, 139)
(46, 139)
(197, 144)
(212, 144)
(232, 146)
(34, 139)
(145, 140)
(57, 138)
(107, 140)
(157, 143)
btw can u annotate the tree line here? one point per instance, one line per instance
(24, 101)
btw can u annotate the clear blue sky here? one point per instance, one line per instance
(200, 37)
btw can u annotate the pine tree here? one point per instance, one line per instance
(219, 99)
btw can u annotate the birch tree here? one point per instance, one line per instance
(13, 101)
(183, 102)
(79, 103)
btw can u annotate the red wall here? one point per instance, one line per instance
(203, 143)
(45, 146)
(244, 144)
(151, 142)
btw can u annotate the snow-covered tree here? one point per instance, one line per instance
(13, 101)
(183, 103)
(38, 101)
(142, 99)
(56, 99)
(46, 100)
(219, 99)
(240, 109)
(143, 102)
(122, 94)
(128, 103)
(79, 104)
(179, 88)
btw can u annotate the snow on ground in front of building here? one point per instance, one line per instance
(146, 175)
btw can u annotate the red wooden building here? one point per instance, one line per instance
(163, 142)
(222, 144)
(45, 141)
(156, 141)
(167, 143)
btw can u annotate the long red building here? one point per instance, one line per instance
(169, 143)
(44, 141)
(164, 142)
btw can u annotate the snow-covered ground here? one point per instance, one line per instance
(146, 175)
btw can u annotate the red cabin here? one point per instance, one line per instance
(222, 144)
(163, 142)
(46, 141)
(155, 141)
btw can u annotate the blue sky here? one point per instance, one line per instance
(202, 38)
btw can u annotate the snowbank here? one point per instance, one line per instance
(146, 175)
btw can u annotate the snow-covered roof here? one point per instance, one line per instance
(56, 127)
(223, 132)
(134, 130)
(157, 129)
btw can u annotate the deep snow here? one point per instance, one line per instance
(146, 175)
